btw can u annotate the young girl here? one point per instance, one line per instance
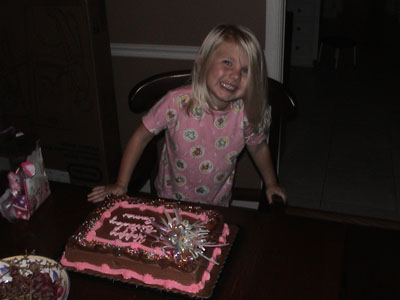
(208, 124)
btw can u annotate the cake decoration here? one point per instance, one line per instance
(184, 242)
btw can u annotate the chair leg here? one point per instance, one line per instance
(354, 55)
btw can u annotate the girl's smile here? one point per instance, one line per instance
(227, 75)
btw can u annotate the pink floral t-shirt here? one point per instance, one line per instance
(199, 156)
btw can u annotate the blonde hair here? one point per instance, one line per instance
(256, 107)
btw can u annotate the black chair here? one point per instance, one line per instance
(147, 92)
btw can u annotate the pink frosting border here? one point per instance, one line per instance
(147, 278)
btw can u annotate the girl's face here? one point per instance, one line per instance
(227, 74)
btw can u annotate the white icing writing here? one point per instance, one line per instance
(132, 231)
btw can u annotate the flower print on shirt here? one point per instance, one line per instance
(182, 100)
(180, 179)
(167, 181)
(190, 135)
(230, 158)
(206, 166)
(222, 142)
(202, 132)
(220, 122)
(180, 164)
(219, 177)
(198, 113)
(165, 161)
(179, 196)
(201, 190)
(170, 115)
(238, 106)
(197, 151)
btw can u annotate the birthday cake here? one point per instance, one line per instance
(164, 245)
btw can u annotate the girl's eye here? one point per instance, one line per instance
(245, 70)
(227, 62)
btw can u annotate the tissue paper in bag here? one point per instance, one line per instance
(29, 185)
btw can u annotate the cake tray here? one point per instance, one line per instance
(205, 293)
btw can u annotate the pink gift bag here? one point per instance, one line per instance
(29, 185)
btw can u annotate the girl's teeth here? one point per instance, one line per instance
(227, 86)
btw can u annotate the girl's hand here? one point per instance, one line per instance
(275, 190)
(100, 192)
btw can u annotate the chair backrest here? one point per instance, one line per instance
(147, 92)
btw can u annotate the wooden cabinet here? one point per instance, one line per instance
(304, 44)
(59, 71)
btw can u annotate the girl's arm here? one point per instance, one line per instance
(136, 144)
(262, 158)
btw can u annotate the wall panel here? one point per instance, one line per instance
(179, 22)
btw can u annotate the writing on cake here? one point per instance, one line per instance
(132, 231)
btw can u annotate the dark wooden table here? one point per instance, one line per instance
(275, 256)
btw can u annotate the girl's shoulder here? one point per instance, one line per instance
(184, 89)
(180, 96)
